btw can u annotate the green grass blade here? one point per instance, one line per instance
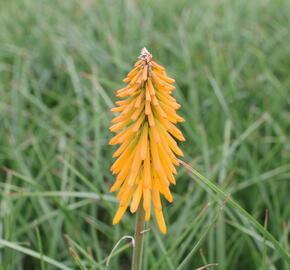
(34, 254)
(241, 211)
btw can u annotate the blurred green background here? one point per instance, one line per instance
(60, 64)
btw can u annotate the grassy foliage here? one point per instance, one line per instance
(60, 63)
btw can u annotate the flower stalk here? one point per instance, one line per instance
(139, 240)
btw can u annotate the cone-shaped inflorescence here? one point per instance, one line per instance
(146, 158)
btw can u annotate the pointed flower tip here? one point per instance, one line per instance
(145, 55)
(144, 51)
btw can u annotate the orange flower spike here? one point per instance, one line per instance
(146, 158)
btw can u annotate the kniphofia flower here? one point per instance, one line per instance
(146, 158)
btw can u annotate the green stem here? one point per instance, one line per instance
(139, 239)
